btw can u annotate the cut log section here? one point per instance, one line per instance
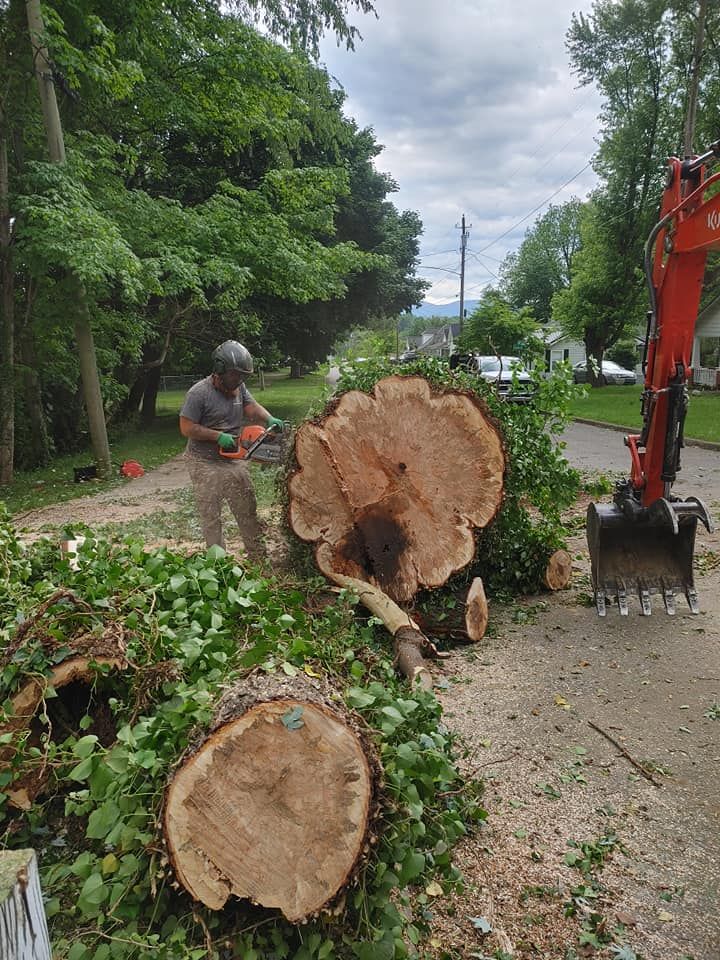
(80, 669)
(558, 572)
(23, 927)
(476, 611)
(276, 805)
(411, 644)
(390, 486)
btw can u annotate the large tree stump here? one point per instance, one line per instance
(276, 805)
(390, 486)
(23, 927)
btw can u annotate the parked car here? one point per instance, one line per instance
(612, 374)
(504, 372)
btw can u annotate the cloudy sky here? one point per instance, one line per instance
(479, 114)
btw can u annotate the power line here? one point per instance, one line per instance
(535, 209)
(437, 253)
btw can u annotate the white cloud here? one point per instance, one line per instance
(478, 113)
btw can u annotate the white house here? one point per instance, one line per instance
(559, 346)
(706, 326)
(439, 342)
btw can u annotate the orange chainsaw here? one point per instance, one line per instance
(253, 444)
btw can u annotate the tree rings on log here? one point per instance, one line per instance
(476, 610)
(390, 486)
(275, 805)
(558, 571)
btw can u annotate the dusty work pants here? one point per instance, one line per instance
(213, 482)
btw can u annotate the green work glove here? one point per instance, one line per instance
(226, 442)
(274, 423)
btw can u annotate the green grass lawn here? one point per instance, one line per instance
(621, 405)
(283, 397)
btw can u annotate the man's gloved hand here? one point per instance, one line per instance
(226, 442)
(274, 423)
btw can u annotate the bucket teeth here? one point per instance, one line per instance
(692, 599)
(669, 598)
(622, 600)
(600, 602)
(645, 601)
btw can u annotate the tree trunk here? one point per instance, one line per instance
(83, 331)
(7, 323)
(23, 927)
(391, 486)
(37, 450)
(277, 804)
(149, 401)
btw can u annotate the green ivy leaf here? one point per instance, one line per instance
(292, 720)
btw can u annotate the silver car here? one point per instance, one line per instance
(612, 374)
(500, 371)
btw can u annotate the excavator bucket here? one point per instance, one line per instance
(650, 554)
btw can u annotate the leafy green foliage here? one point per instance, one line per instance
(495, 327)
(539, 484)
(543, 264)
(194, 624)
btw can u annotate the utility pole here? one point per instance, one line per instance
(465, 233)
(83, 330)
(695, 78)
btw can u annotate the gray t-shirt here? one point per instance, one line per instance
(208, 406)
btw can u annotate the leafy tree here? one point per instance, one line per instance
(495, 327)
(219, 188)
(543, 263)
(638, 53)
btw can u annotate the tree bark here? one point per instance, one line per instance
(7, 321)
(391, 486)
(83, 330)
(277, 804)
(23, 927)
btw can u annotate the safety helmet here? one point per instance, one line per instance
(232, 355)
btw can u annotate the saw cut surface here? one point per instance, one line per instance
(273, 807)
(391, 485)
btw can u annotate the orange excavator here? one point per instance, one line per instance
(643, 543)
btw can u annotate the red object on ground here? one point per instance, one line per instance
(131, 468)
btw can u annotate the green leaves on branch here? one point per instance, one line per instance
(194, 625)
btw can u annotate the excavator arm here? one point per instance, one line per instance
(644, 542)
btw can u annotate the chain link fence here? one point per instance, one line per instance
(183, 382)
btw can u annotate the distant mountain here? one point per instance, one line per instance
(444, 309)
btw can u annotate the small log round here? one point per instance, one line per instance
(276, 804)
(476, 611)
(558, 571)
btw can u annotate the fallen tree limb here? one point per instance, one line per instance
(411, 644)
(636, 763)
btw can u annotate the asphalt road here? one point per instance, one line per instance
(597, 449)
